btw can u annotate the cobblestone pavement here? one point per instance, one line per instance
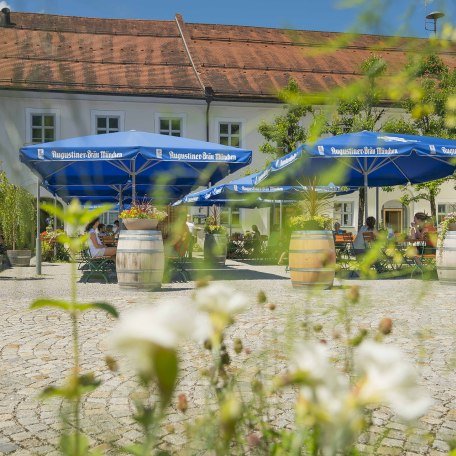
(36, 350)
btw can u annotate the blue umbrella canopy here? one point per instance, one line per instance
(239, 191)
(140, 158)
(365, 159)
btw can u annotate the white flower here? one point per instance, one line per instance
(329, 400)
(220, 299)
(387, 378)
(166, 325)
(312, 359)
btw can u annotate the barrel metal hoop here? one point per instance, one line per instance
(136, 271)
(311, 251)
(139, 251)
(312, 269)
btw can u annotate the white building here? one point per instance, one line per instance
(62, 77)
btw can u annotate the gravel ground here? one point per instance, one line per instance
(35, 351)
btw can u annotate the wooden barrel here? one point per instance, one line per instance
(215, 247)
(140, 259)
(19, 257)
(312, 259)
(446, 259)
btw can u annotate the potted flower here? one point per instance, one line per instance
(17, 221)
(446, 260)
(142, 216)
(215, 241)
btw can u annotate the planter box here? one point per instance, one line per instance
(19, 257)
(140, 224)
(4, 263)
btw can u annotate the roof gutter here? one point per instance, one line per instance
(207, 90)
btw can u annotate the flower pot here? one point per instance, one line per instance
(19, 257)
(140, 224)
(312, 259)
(446, 259)
(215, 247)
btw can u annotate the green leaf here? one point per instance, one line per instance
(39, 303)
(166, 367)
(68, 306)
(135, 449)
(74, 444)
(73, 389)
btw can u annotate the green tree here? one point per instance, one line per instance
(285, 133)
(426, 106)
(359, 110)
(17, 214)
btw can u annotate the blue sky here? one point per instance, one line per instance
(298, 14)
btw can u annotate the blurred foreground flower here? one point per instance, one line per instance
(221, 303)
(387, 378)
(151, 337)
(221, 299)
(337, 410)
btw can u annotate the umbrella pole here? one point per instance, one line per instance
(133, 181)
(280, 216)
(365, 191)
(55, 226)
(377, 206)
(38, 241)
(231, 218)
(120, 199)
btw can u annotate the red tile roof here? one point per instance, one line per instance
(171, 58)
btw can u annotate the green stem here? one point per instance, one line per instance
(75, 333)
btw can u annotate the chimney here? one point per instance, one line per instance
(5, 18)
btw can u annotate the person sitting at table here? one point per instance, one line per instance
(256, 239)
(422, 229)
(116, 227)
(358, 244)
(96, 246)
(101, 230)
(337, 229)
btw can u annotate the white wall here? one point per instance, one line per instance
(140, 113)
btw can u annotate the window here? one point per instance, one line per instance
(225, 217)
(171, 126)
(42, 128)
(107, 121)
(107, 124)
(343, 213)
(230, 134)
(443, 209)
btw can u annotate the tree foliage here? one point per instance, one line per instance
(285, 133)
(17, 214)
(427, 114)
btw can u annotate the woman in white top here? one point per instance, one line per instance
(359, 244)
(96, 247)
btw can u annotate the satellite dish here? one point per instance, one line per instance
(431, 20)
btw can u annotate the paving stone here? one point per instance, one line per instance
(35, 351)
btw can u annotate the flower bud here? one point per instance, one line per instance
(261, 297)
(182, 403)
(208, 344)
(247, 350)
(271, 306)
(317, 328)
(385, 326)
(237, 346)
(111, 363)
(353, 294)
(253, 440)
